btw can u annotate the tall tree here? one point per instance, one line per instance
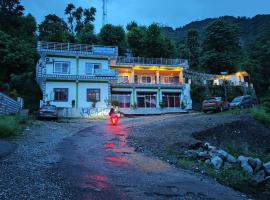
(53, 29)
(136, 37)
(193, 46)
(113, 35)
(87, 35)
(220, 48)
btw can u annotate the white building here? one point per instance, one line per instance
(82, 80)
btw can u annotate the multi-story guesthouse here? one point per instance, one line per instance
(82, 80)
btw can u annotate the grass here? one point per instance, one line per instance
(234, 177)
(260, 114)
(12, 125)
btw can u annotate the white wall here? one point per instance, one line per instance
(82, 62)
(71, 93)
(104, 94)
(72, 61)
(73, 64)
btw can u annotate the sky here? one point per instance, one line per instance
(174, 13)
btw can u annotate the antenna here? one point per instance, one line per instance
(104, 8)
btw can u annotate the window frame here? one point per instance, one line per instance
(57, 62)
(95, 89)
(66, 90)
(93, 67)
(146, 77)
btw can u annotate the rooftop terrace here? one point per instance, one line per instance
(81, 49)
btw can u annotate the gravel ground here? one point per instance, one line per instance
(24, 173)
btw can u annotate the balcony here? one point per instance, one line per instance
(138, 61)
(78, 49)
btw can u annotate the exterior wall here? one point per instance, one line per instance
(73, 64)
(71, 93)
(104, 94)
(83, 61)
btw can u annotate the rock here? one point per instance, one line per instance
(256, 164)
(204, 155)
(231, 159)
(267, 168)
(216, 162)
(223, 154)
(247, 167)
(191, 154)
(208, 162)
(258, 178)
(242, 159)
(209, 147)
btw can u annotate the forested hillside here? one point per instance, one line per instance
(249, 28)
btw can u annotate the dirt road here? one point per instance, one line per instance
(93, 160)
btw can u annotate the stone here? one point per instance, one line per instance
(256, 164)
(223, 154)
(204, 155)
(267, 168)
(246, 167)
(242, 159)
(231, 158)
(208, 162)
(209, 147)
(191, 154)
(258, 178)
(216, 162)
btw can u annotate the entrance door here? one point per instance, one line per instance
(147, 100)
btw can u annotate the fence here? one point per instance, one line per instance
(9, 106)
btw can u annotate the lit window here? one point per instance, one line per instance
(146, 79)
(61, 67)
(93, 95)
(60, 94)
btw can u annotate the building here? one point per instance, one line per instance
(241, 78)
(82, 80)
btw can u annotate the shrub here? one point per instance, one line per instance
(115, 103)
(261, 115)
(10, 125)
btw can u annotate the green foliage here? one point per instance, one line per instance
(136, 37)
(193, 47)
(114, 36)
(87, 35)
(261, 115)
(220, 48)
(53, 29)
(115, 103)
(11, 125)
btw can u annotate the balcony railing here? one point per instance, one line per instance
(77, 48)
(172, 81)
(133, 61)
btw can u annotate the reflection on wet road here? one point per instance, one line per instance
(98, 164)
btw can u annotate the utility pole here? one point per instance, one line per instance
(104, 9)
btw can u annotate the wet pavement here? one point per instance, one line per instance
(97, 163)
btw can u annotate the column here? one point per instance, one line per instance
(132, 76)
(181, 78)
(157, 75)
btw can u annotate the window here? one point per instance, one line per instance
(147, 100)
(171, 100)
(123, 99)
(93, 95)
(61, 67)
(60, 94)
(90, 68)
(171, 80)
(146, 79)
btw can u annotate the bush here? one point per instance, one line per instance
(261, 115)
(11, 125)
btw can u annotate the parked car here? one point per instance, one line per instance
(48, 112)
(215, 104)
(243, 102)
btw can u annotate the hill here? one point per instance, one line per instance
(249, 28)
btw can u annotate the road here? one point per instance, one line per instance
(97, 163)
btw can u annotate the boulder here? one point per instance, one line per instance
(209, 147)
(256, 164)
(231, 158)
(208, 162)
(191, 154)
(204, 155)
(267, 168)
(242, 159)
(222, 154)
(216, 162)
(247, 167)
(258, 178)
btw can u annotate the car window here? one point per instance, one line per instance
(48, 108)
(237, 99)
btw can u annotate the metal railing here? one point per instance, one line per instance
(8, 105)
(77, 48)
(150, 61)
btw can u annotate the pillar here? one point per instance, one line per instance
(132, 76)
(181, 77)
(157, 75)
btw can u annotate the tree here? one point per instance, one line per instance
(114, 36)
(193, 46)
(156, 44)
(136, 37)
(259, 62)
(53, 29)
(87, 35)
(131, 25)
(220, 47)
